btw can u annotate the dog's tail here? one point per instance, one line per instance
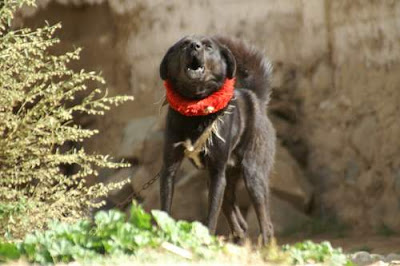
(253, 68)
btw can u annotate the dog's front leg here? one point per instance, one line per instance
(173, 157)
(167, 186)
(215, 196)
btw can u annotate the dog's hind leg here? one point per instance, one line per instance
(256, 185)
(232, 212)
(240, 218)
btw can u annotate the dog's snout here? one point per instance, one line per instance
(195, 45)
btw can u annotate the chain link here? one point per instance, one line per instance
(136, 195)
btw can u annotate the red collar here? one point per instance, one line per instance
(212, 104)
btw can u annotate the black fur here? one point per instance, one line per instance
(197, 66)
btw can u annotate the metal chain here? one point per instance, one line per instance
(150, 182)
(146, 185)
(136, 195)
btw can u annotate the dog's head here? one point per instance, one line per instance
(197, 66)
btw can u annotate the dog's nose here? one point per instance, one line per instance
(195, 45)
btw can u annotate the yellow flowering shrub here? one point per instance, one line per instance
(37, 91)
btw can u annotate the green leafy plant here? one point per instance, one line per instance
(9, 251)
(310, 252)
(110, 233)
(141, 237)
(193, 235)
(37, 107)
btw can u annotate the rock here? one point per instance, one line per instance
(152, 148)
(392, 257)
(223, 226)
(186, 176)
(379, 263)
(134, 134)
(364, 136)
(377, 257)
(287, 181)
(361, 258)
(153, 144)
(284, 216)
(190, 199)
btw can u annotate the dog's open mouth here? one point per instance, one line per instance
(195, 68)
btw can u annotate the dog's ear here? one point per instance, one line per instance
(230, 61)
(167, 57)
(164, 64)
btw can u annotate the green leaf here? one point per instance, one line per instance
(164, 221)
(61, 250)
(9, 251)
(304, 252)
(201, 232)
(139, 217)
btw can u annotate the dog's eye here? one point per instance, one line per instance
(208, 46)
(186, 43)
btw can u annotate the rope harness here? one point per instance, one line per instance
(193, 150)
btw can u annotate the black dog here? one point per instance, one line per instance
(237, 140)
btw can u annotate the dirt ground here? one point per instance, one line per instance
(378, 244)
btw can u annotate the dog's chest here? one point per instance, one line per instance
(200, 142)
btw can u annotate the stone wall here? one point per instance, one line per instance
(336, 101)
